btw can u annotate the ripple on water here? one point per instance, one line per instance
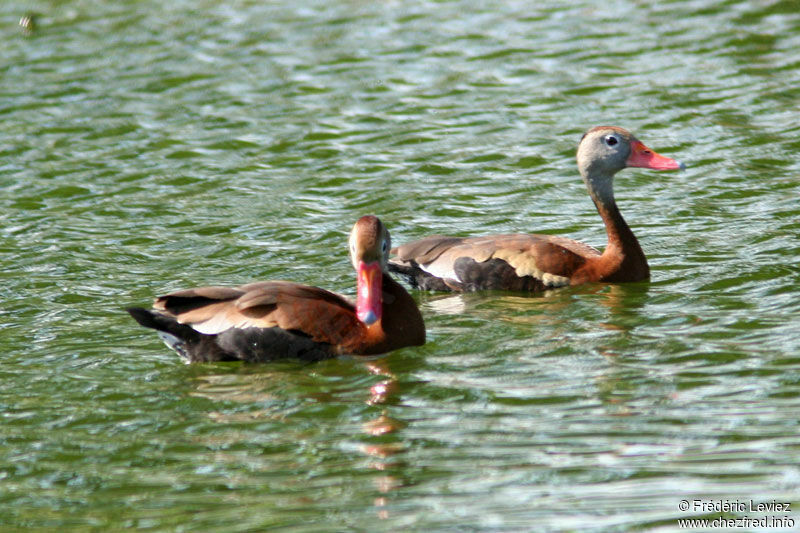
(146, 148)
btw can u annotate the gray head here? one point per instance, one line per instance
(605, 150)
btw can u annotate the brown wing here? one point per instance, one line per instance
(320, 314)
(425, 250)
(547, 258)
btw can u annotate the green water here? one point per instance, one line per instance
(147, 147)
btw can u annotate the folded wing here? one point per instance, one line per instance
(509, 262)
(319, 314)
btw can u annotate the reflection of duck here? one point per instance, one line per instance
(523, 262)
(28, 23)
(280, 319)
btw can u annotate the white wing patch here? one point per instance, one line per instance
(525, 265)
(219, 323)
(212, 326)
(440, 269)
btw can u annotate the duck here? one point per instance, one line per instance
(536, 262)
(272, 320)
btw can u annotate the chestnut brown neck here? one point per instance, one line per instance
(401, 324)
(623, 258)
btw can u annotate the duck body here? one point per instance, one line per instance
(534, 262)
(515, 262)
(271, 320)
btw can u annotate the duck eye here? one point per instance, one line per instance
(611, 140)
(385, 246)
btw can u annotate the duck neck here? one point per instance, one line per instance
(623, 258)
(402, 320)
(401, 323)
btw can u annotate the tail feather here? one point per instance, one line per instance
(190, 344)
(159, 322)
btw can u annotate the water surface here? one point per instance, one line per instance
(146, 148)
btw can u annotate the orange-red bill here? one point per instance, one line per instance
(369, 303)
(643, 157)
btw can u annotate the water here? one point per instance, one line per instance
(146, 148)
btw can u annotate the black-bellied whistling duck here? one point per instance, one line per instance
(273, 320)
(539, 262)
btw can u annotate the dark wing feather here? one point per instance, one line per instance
(187, 300)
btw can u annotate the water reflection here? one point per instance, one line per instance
(385, 389)
(258, 384)
(621, 302)
(136, 141)
(381, 393)
(270, 394)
